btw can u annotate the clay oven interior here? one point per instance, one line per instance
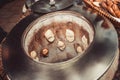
(57, 37)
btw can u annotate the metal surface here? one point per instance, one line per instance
(45, 6)
(91, 66)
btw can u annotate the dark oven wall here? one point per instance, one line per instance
(2, 34)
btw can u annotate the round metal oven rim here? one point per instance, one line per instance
(41, 20)
(95, 62)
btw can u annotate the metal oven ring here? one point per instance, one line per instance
(100, 54)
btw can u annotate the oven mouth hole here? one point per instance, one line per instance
(57, 37)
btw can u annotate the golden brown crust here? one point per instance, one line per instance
(108, 5)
